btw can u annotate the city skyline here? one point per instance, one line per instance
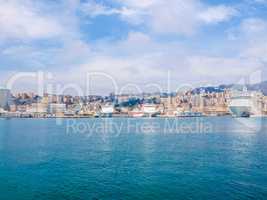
(218, 101)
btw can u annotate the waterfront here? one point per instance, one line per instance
(50, 159)
(211, 101)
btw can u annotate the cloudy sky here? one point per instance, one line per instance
(133, 41)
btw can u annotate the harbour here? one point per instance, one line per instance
(236, 103)
(143, 161)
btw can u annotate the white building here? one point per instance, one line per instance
(37, 108)
(55, 108)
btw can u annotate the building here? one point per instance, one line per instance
(122, 98)
(37, 108)
(265, 105)
(169, 104)
(5, 98)
(13, 108)
(57, 108)
(2, 111)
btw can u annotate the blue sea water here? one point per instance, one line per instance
(189, 158)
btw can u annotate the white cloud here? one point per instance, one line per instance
(220, 67)
(140, 58)
(173, 16)
(253, 26)
(20, 20)
(93, 9)
(250, 39)
(253, 31)
(249, 29)
(261, 1)
(139, 4)
(217, 14)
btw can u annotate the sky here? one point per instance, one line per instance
(133, 42)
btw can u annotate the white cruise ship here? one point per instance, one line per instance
(136, 113)
(243, 103)
(107, 110)
(241, 106)
(150, 110)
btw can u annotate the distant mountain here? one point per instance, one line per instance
(259, 87)
(209, 89)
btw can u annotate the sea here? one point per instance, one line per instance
(133, 159)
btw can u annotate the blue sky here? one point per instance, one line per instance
(134, 41)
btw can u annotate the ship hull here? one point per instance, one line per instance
(240, 111)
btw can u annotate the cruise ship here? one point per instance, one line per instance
(136, 113)
(150, 110)
(243, 103)
(107, 110)
(241, 106)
